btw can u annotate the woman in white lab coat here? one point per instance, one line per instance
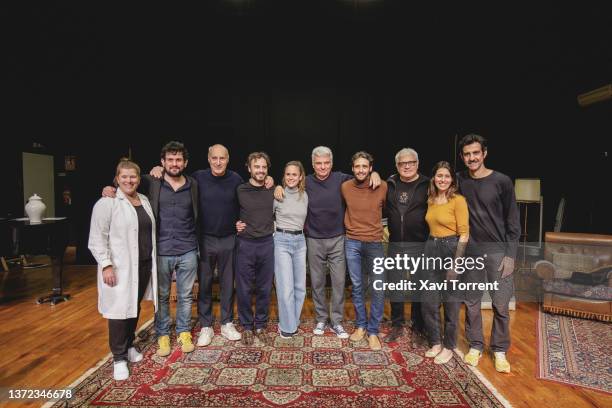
(122, 240)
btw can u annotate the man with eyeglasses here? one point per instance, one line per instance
(408, 231)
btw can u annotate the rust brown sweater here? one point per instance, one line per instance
(363, 216)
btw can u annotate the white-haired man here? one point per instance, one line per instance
(324, 230)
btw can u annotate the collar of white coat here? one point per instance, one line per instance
(121, 195)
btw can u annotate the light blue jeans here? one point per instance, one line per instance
(290, 278)
(360, 261)
(186, 267)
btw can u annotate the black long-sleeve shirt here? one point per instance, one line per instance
(494, 216)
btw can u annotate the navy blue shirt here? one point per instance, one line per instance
(325, 217)
(219, 206)
(177, 230)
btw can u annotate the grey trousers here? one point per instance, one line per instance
(324, 252)
(500, 332)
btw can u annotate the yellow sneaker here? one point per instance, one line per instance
(374, 342)
(472, 357)
(358, 335)
(501, 364)
(184, 339)
(164, 346)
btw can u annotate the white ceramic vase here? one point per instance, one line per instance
(35, 208)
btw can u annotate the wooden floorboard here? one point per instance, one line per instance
(47, 346)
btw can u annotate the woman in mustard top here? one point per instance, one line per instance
(448, 220)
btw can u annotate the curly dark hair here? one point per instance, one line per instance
(174, 147)
(258, 155)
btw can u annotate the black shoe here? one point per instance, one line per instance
(396, 333)
(262, 336)
(286, 335)
(416, 327)
(247, 337)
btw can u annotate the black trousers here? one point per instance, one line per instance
(431, 300)
(216, 252)
(121, 332)
(398, 299)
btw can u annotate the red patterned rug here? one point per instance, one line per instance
(575, 351)
(305, 371)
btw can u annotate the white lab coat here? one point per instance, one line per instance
(113, 240)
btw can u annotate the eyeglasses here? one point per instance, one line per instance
(407, 163)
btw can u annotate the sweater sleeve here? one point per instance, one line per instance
(345, 177)
(462, 215)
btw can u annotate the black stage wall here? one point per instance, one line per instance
(285, 76)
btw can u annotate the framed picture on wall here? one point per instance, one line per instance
(69, 163)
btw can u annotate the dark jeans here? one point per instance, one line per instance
(216, 252)
(431, 299)
(254, 274)
(398, 298)
(500, 331)
(121, 332)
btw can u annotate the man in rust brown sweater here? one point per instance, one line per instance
(364, 234)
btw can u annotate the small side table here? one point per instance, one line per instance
(50, 237)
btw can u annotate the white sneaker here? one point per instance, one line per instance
(340, 332)
(205, 337)
(319, 329)
(120, 371)
(133, 355)
(229, 332)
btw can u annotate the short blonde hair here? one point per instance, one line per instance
(125, 163)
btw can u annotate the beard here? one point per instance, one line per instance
(361, 177)
(174, 172)
(260, 177)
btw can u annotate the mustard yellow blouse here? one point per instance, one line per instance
(451, 218)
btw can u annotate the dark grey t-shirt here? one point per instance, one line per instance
(256, 210)
(494, 216)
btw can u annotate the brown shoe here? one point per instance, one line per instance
(357, 335)
(396, 333)
(247, 337)
(374, 342)
(262, 336)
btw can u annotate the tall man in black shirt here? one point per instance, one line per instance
(494, 231)
(255, 253)
(408, 231)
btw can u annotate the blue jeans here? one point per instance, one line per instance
(360, 261)
(290, 278)
(186, 267)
